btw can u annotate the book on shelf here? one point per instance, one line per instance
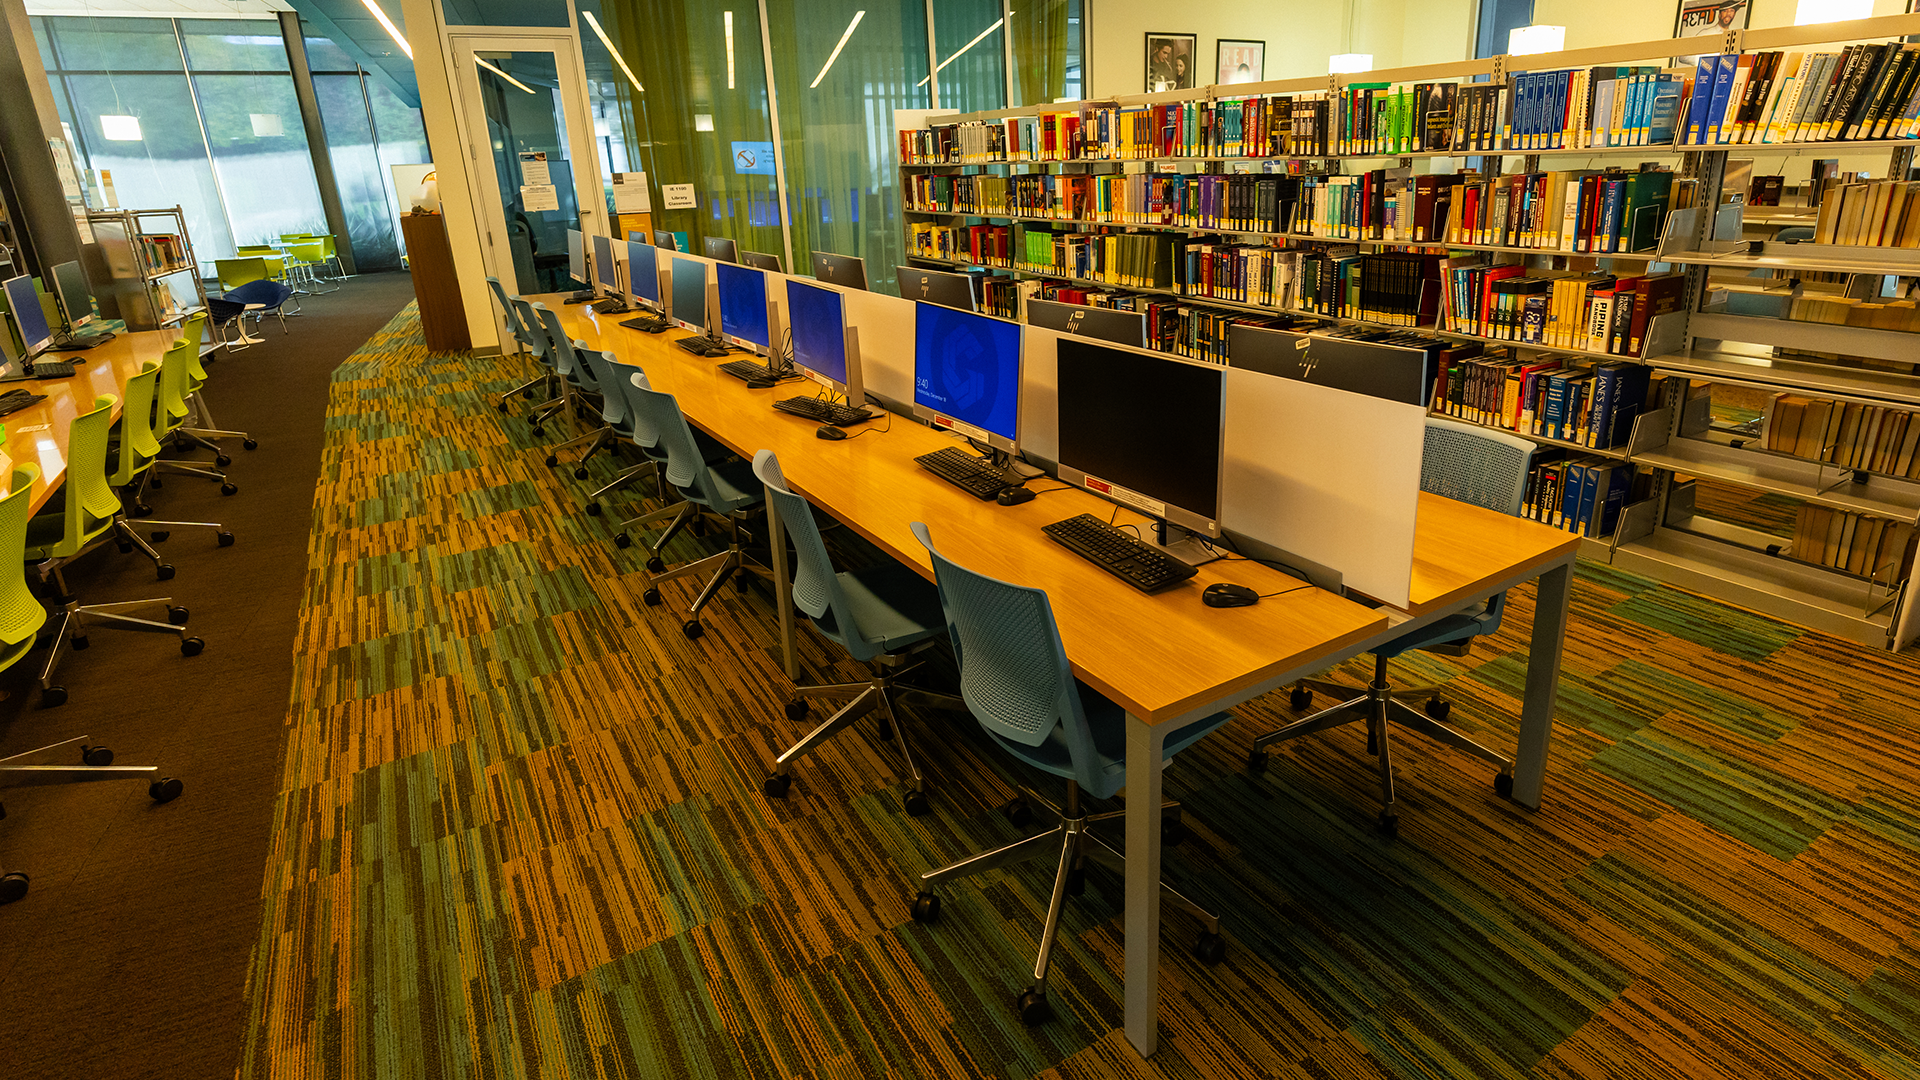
(162, 251)
(1850, 435)
(1547, 398)
(1853, 542)
(1580, 493)
(1866, 91)
(1870, 213)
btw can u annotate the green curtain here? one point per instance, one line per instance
(1040, 33)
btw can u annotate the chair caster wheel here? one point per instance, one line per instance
(538, 432)
(884, 728)
(95, 755)
(593, 510)
(776, 785)
(141, 510)
(224, 538)
(1019, 813)
(656, 565)
(1389, 824)
(622, 540)
(1257, 761)
(916, 803)
(165, 789)
(222, 460)
(177, 615)
(1033, 1009)
(502, 406)
(1172, 831)
(652, 597)
(692, 629)
(926, 908)
(125, 548)
(552, 460)
(1503, 785)
(1439, 708)
(251, 444)
(580, 473)
(154, 481)
(1077, 881)
(79, 642)
(229, 488)
(1210, 949)
(158, 536)
(53, 696)
(191, 646)
(797, 708)
(1300, 699)
(164, 571)
(12, 887)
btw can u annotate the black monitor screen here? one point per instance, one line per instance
(967, 367)
(936, 287)
(662, 238)
(743, 304)
(1101, 324)
(576, 256)
(721, 249)
(28, 315)
(76, 296)
(761, 262)
(819, 324)
(1146, 422)
(643, 274)
(846, 271)
(690, 293)
(603, 269)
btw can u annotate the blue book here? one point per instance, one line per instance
(1665, 109)
(1564, 511)
(1557, 127)
(1728, 64)
(1629, 401)
(1602, 117)
(1610, 199)
(1610, 497)
(1605, 378)
(1583, 505)
(1697, 104)
(1556, 405)
(1636, 106)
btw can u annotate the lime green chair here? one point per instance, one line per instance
(136, 451)
(171, 415)
(333, 256)
(234, 273)
(309, 254)
(202, 429)
(78, 520)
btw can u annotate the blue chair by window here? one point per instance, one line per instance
(882, 615)
(1016, 681)
(1474, 465)
(262, 298)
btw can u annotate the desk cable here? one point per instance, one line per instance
(1231, 553)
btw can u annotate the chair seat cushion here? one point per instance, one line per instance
(892, 605)
(1445, 631)
(1107, 722)
(734, 486)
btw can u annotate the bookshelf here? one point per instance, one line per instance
(1763, 327)
(153, 275)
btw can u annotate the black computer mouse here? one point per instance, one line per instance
(1014, 496)
(828, 431)
(759, 384)
(1226, 595)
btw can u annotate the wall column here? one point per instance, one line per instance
(296, 41)
(28, 119)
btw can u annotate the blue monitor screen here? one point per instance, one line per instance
(603, 263)
(819, 330)
(743, 303)
(690, 292)
(28, 314)
(643, 276)
(967, 366)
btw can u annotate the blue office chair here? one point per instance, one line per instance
(547, 356)
(577, 387)
(1474, 465)
(527, 344)
(260, 299)
(882, 615)
(1016, 681)
(616, 416)
(728, 489)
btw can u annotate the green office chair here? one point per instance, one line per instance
(308, 255)
(133, 455)
(171, 416)
(77, 520)
(203, 430)
(728, 489)
(332, 255)
(1016, 680)
(883, 615)
(1474, 465)
(234, 273)
(21, 617)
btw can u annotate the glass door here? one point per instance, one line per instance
(522, 100)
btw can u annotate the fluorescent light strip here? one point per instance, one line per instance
(729, 17)
(611, 51)
(503, 75)
(392, 30)
(857, 16)
(977, 39)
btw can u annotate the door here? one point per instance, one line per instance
(522, 104)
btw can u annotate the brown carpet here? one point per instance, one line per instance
(128, 957)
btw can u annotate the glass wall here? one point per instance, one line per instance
(969, 38)
(368, 129)
(254, 134)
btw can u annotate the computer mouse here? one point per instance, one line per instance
(1226, 595)
(759, 384)
(1014, 496)
(828, 431)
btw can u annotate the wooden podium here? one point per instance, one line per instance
(443, 317)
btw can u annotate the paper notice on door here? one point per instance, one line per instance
(533, 169)
(536, 197)
(630, 193)
(677, 196)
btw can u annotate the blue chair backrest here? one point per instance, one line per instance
(512, 314)
(816, 586)
(536, 338)
(646, 434)
(564, 361)
(264, 291)
(1478, 466)
(686, 467)
(1014, 675)
(606, 375)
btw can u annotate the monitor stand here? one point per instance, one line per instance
(1188, 547)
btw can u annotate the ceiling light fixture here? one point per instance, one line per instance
(857, 16)
(977, 39)
(729, 19)
(392, 30)
(503, 75)
(615, 53)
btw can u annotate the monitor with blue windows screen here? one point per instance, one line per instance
(822, 340)
(606, 273)
(966, 374)
(643, 276)
(743, 307)
(28, 316)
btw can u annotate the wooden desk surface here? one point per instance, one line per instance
(1459, 548)
(1159, 656)
(38, 433)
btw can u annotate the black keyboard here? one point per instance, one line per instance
(78, 342)
(585, 297)
(748, 370)
(1135, 562)
(970, 474)
(824, 411)
(14, 400)
(701, 346)
(42, 369)
(652, 324)
(611, 306)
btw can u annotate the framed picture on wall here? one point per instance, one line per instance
(1703, 18)
(1239, 61)
(1170, 62)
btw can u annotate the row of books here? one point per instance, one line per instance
(1848, 434)
(1852, 311)
(1878, 213)
(1560, 309)
(1868, 546)
(1866, 91)
(1131, 260)
(1581, 494)
(162, 251)
(1547, 398)
(1395, 288)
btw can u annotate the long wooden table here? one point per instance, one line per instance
(1166, 658)
(38, 433)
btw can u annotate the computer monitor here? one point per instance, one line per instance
(606, 272)
(1102, 324)
(846, 271)
(1377, 369)
(966, 374)
(637, 236)
(721, 249)
(665, 239)
(28, 315)
(577, 256)
(937, 287)
(744, 319)
(643, 276)
(1145, 429)
(824, 346)
(761, 261)
(76, 296)
(688, 307)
